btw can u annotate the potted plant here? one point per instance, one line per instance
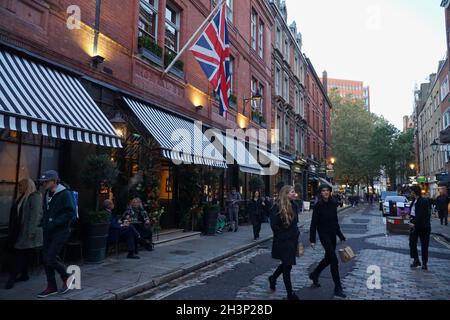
(155, 218)
(98, 172)
(150, 50)
(97, 229)
(256, 183)
(233, 100)
(177, 68)
(212, 212)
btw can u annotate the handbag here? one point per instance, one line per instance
(346, 253)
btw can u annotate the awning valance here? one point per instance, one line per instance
(246, 161)
(180, 139)
(38, 99)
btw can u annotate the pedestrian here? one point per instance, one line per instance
(420, 228)
(255, 212)
(136, 215)
(122, 230)
(59, 212)
(442, 202)
(234, 198)
(325, 222)
(266, 209)
(284, 224)
(24, 231)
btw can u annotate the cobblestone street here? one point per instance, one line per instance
(245, 276)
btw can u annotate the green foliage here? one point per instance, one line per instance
(256, 183)
(233, 99)
(168, 58)
(97, 217)
(366, 144)
(149, 44)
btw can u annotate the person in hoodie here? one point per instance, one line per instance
(325, 222)
(59, 211)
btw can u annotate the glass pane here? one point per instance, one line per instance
(29, 162)
(6, 201)
(171, 15)
(50, 159)
(8, 159)
(171, 37)
(147, 21)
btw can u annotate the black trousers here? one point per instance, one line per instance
(328, 241)
(443, 216)
(256, 228)
(424, 235)
(286, 271)
(131, 236)
(19, 262)
(53, 244)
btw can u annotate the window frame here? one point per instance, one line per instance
(154, 9)
(176, 26)
(253, 29)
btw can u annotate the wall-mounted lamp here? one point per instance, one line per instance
(96, 60)
(257, 98)
(199, 107)
(120, 125)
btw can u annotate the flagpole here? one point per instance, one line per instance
(194, 36)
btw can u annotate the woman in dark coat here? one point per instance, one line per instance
(256, 212)
(284, 220)
(325, 222)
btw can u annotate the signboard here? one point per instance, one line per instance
(421, 179)
(306, 205)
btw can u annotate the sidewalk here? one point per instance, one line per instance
(443, 231)
(120, 278)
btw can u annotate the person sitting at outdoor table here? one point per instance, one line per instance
(137, 216)
(122, 230)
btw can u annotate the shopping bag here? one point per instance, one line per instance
(300, 249)
(346, 253)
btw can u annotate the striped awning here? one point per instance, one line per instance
(38, 99)
(273, 159)
(246, 161)
(180, 139)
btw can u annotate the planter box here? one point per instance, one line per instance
(175, 71)
(147, 54)
(96, 241)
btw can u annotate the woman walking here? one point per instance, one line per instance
(25, 234)
(325, 222)
(256, 211)
(284, 220)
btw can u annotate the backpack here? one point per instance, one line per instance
(76, 216)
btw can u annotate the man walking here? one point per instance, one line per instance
(420, 228)
(58, 213)
(234, 198)
(442, 202)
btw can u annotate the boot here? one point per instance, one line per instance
(339, 293)
(292, 296)
(272, 283)
(315, 280)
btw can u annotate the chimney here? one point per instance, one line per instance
(325, 81)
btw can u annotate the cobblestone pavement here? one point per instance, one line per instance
(245, 277)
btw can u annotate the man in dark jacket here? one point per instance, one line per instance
(442, 202)
(59, 212)
(420, 227)
(325, 222)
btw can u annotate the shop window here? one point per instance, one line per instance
(8, 160)
(29, 162)
(50, 159)
(6, 200)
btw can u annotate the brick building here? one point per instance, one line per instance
(351, 87)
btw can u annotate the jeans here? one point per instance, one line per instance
(328, 241)
(256, 229)
(286, 271)
(424, 235)
(53, 244)
(233, 215)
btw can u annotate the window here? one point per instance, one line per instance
(280, 130)
(253, 29)
(286, 88)
(230, 10)
(253, 86)
(446, 120)
(148, 20)
(261, 92)
(278, 81)
(286, 49)
(297, 101)
(261, 39)
(287, 133)
(232, 74)
(172, 29)
(444, 88)
(278, 38)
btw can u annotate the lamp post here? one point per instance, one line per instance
(257, 98)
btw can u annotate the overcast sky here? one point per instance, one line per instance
(389, 44)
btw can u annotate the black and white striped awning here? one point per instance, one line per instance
(38, 99)
(180, 139)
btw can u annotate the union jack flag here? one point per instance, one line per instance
(212, 51)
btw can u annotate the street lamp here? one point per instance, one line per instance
(412, 166)
(257, 98)
(435, 145)
(333, 160)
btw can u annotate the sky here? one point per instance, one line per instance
(391, 45)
